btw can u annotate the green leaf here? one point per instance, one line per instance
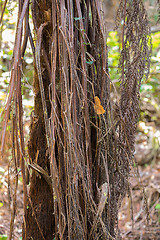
(3, 237)
(78, 18)
(20, 179)
(1, 204)
(134, 165)
(85, 43)
(90, 62)
(157, 206)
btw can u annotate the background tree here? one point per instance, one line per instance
(81, 143)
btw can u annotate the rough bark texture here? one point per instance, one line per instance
(39, 220)
(85, 150)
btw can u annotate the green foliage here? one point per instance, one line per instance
(157, 206)
(3, 237)
(155, 40)
(89, 62)
(113, 43)
(149, 89)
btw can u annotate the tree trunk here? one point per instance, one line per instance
(39, 219)
(81, 147)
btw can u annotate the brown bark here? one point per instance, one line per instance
(39, 222)
(86, 153)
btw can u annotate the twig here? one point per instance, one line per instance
(123, 29)
(4, 6)
(13, 71)
(40, 170)
(38, 65)
(26, 32)
(13, 211)
(36, 28)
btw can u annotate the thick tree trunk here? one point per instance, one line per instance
(79, 154)
(39, 220)
(81, 167)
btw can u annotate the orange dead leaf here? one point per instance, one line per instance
(98, 107)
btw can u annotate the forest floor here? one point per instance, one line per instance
(133, 213)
